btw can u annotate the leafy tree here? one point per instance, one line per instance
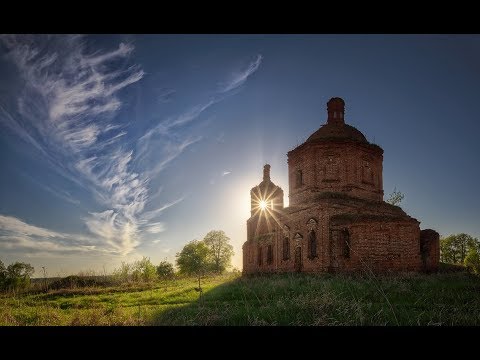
(221, 251)
(139, 271)
(472, 260)
(18, 275)
(194, 258)
(454, 248)
(395, 197)
(144, 270)
(165, 270)
(3, 275)
(122, 274)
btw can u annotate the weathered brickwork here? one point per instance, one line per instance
(337, 220)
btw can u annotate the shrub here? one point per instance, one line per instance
(165, 270)
(140, 271)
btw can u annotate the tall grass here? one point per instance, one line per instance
(277, 299)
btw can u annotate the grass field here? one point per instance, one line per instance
(282, 299)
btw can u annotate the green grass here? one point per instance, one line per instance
(280, 299)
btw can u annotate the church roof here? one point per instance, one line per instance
(267, 185)
(337, 131)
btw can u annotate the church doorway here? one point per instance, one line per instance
(298, 259)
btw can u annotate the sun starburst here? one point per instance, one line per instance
(262, 204)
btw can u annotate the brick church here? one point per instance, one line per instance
(337, 220)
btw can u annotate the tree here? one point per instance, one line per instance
(144, 270)
(18, 275)
(194, 260)
(472, 260)
(122, 274)
(221, 251)
(165, 270)
(138, 271)
(395, 197)
(3, 275)
(454, 248)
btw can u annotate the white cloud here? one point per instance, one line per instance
(238, 78)
(14, 225)
(225, 173)
(155, 228)
(62, 194)
(67, 111)
(16, 234)
(149, 215)
(172, 145)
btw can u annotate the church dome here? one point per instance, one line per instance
(337, 131)
(335, 128)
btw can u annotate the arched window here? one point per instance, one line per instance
(270, 254)
(286, 248)
(299, 181)
(312, 245)
(346, 243)
(260, 257)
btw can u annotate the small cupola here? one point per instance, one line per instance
(336, 111)
(266, 172)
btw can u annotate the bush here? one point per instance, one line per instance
(165, 270)
(140, 271)
(122, 274)
(144, 270)
(472, 261)
(3, 275)
(73, 281)
(16, 276)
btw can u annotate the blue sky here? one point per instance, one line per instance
(121, 146)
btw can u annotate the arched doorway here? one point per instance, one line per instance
(298, 259)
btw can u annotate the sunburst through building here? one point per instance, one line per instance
(337, 219)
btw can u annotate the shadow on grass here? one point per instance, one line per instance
(325, 299)
(273, 299)
(209, 308)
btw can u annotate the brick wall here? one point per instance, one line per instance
(349, 167)
(337, 208)
(375, 243)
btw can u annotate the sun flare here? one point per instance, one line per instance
(262, 204)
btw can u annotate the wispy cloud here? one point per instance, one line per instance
(155, 228)
(62, 194)
(164, 131)
(67, 111)
(225, 173)
(16, 234)
(238, 78)
(166, 95)
(149, 215)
